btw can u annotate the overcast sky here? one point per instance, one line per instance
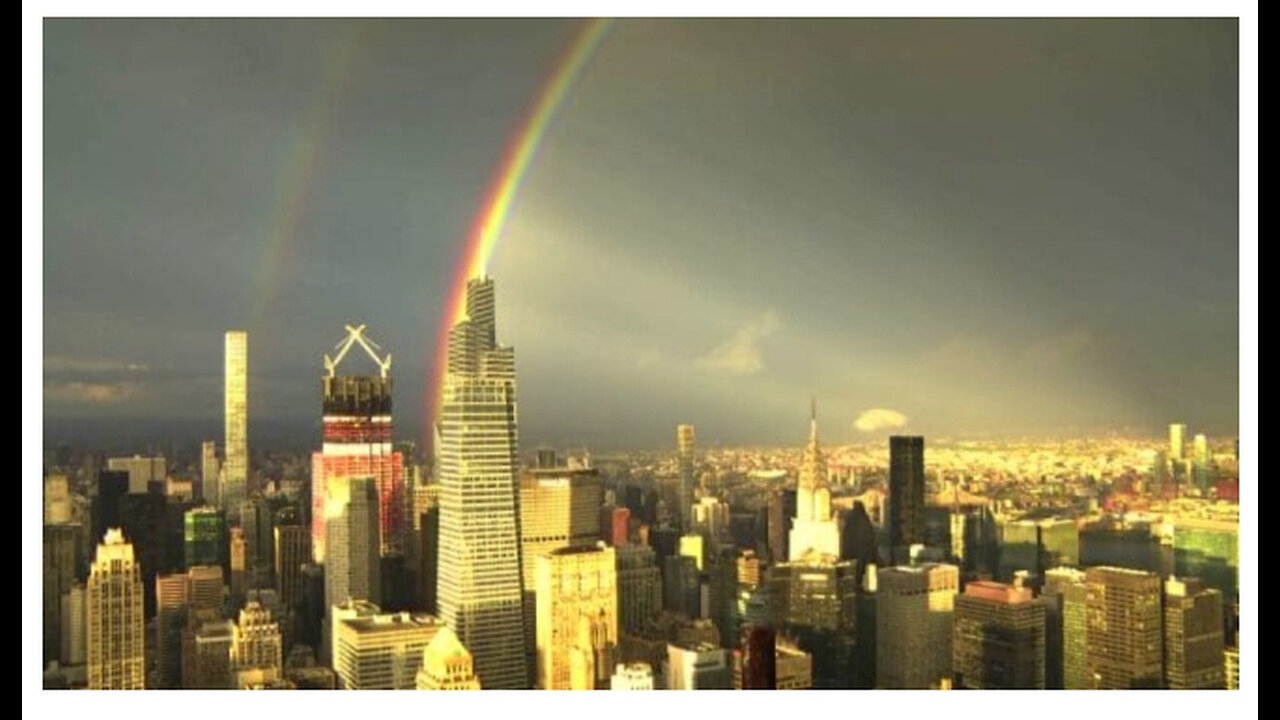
(938, 227)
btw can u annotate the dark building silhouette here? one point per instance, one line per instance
(858, 539)
(429, 559)
(112, 485)
(906, 495)
(760, 662)
(782, 508)
(143, 518)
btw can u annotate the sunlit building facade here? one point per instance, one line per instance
(577, 598)
(480, 593)
(114, 617)
(1123, 628)
(235, 439)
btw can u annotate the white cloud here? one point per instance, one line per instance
(874, 419)
(90, 393)
(63, 364)
(740, 354)
(648, 358)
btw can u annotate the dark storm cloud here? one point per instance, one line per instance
(983, 226)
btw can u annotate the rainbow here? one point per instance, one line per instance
(304, 162)
(486, 229)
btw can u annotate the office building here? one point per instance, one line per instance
(205, 538)
(210, 474)
(700, 666)
(112, 485)
(353, 566)
(577, 617)
(1177, 441)
(781, 509)
(114, 617)
(257, 643)
(816, 601)
(1231, 664)
(142, 471)
(292, 551)
(1066, 664)
(73, 652)
(206, 659)
(57, 500)
(235, 438)
(815, 528)
(1193, 636)
(59, 571)
(906, 496)
(357, 442)
(446, 664)
(1124, 628)
(999, 638)
(480, 585)
(1201, 464)
(383, 651)
(619, 526)
(639, 587)
(914, 608)
(559, 508)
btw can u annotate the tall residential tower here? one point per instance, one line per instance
(236, 435)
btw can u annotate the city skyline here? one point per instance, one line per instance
(1124, 178)
(994, 263)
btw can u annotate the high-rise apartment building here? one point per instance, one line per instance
(906, 496)
(480, 585)
(235, 439)
(446, 664)
(577, 599)
(1193, 636)
(357, 442)
(382, 651)
(1123, 628)
(914, 608)
(685, 438)
(999, 638)
(815, 528)
(114, 613)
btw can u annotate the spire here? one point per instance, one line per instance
(813, 419)
(813, 469)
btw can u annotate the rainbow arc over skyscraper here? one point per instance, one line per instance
(499, 200)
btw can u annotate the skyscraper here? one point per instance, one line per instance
(171, 621)
(1200, 463)
(480, 582)
(1124, 628)
(999, 638)
(204, 537)
(256, 644)
(906, 495)
(235, 439)
(914, 607)
(115, 622)
(292, 551)
(1177, 442)
(57, 577)
(1066, 664)
(143, 471)
(698, 666)
(210, 473)
(1193, 636)
(57, 500)
(782, 508)
(684, 453)
(352, 570)
(815, 528)
(639, 587)
(357, 442)
(577, 617)
(559, 508)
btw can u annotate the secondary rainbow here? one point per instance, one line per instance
(486, 229)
